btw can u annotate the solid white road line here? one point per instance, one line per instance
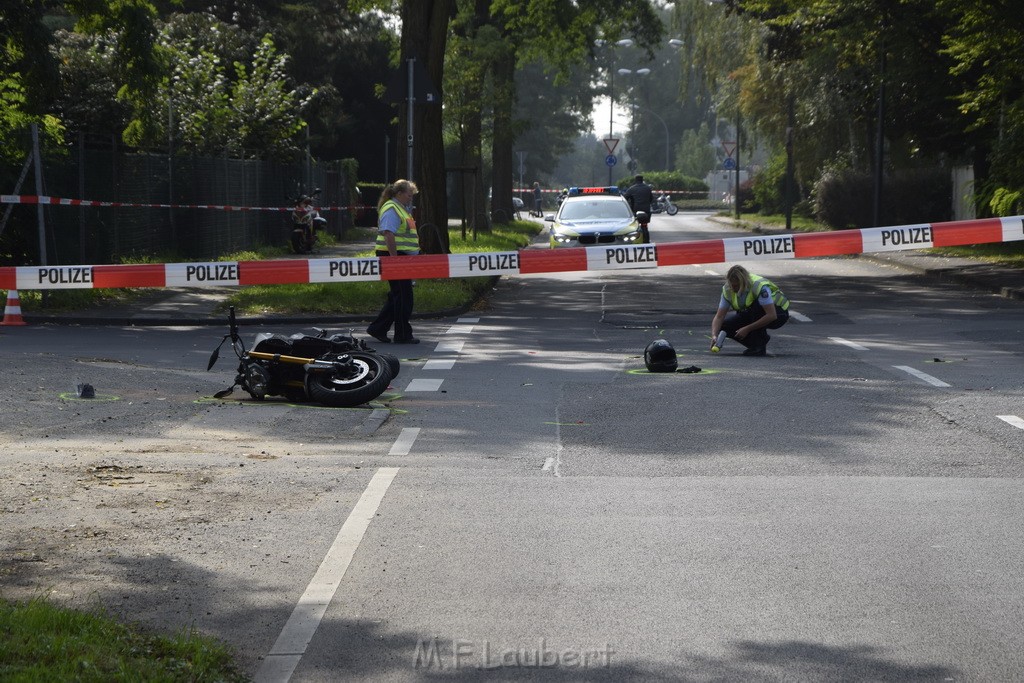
(437, 364)
(1012, 420)
(280, 663)
(852, 345)
(921, 375)
(403, 444)
(424, 385)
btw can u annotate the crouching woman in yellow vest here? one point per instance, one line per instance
(750, 306)
(396, 236)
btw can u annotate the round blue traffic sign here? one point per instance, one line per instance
(610, 160)
(729, 164)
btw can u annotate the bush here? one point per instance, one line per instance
(844, 198)
(668, 181)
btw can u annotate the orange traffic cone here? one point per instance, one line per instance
(12, 312)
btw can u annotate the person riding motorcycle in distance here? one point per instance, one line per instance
(302, 214)
(750, 306)
(640, 195)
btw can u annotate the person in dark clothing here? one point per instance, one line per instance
(396, 237)
(640, 195)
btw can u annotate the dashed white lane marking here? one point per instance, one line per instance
(419, 384)
(852, 345)
(459, 329)
(799, 316)
(403, 444)
(438, 364)
(548, 464)
(280, 662)
(1012, 420)
(449, 347)
(711, 272)
(468, 320)
(935, 382)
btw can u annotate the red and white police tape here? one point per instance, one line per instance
(524, 262)
(63, 201)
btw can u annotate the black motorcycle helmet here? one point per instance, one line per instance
(659, 356)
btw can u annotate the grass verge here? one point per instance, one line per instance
(42, 642)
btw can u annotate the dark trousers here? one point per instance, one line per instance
(396, 311)
(734, 320)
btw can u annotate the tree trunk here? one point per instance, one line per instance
(424, 35)
(504, 137)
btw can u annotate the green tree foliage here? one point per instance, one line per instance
(87, 98)
(264, 111)
(983, 40)
(27, 75)
(223, 94)
(696, 157)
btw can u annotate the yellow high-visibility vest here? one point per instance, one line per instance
(756, 283)
(406, 240)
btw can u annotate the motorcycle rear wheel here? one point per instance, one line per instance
(363, 378)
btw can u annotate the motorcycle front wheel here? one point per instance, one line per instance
(671, 209)
(360, 379)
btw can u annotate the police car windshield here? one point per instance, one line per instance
(585, 209)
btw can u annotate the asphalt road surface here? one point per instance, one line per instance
(537, 505)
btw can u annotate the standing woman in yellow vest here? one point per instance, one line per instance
(750, 306)
(396, 236)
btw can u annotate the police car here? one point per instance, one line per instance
(593, 216)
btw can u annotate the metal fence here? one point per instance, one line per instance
(103, 170)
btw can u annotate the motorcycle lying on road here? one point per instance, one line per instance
(306, 221)
(336, 370)
(663, 204)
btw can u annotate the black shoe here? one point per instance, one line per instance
(756, 351)
(382, 338)
(410, 340)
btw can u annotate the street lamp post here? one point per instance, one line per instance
(668, 143)
(625, 42)
(632, 115)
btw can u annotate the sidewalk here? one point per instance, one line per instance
(198, 305)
